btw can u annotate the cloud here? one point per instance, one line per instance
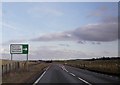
(81, 42)
(106, 52)
(0, 10)
(98, 43)
(49, 53)
(44, 11)
(98, 32)
(1, 50)
(61, 36)
(4, 50)
(101, 11)
(6, 25)
(104, 31)
(66, 45)
(14, 41)
(0, 14)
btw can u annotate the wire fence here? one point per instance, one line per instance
(14, 66)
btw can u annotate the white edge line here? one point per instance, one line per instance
(40, 77)
(47, 68)
(84, 81)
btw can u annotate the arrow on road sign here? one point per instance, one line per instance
(25, 49)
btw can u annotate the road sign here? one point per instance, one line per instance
(19, 48)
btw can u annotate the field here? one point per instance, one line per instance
(104, 66)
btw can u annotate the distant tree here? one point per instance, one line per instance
(93, 59)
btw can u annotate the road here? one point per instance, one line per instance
(57, 73)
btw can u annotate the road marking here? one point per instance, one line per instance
(63, 67)
(84, 81)
(40, 77)
(72, 74)
(47, 68)
(66, 70)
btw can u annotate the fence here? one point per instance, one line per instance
(14, 66)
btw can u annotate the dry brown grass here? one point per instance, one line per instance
(24, 76)
(105, 66)
(3, 62)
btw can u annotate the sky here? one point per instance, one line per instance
(61, 30)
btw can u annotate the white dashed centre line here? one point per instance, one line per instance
(72, 74)
(84, 81)
(76, 76)
(66, 71)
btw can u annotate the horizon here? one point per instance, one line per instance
(99, 58)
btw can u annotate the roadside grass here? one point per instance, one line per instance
(9, 61)
(24, 76)
(104, 66)
(0, 62)
(12, 65)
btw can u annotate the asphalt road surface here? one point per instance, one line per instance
(66, 74)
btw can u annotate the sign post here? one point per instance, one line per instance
(19, 49)
(11, 57)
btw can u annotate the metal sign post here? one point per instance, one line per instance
(11, 57)
(27, 62)
(19, 49)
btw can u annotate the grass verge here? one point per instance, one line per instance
(24, 76)
(111, 67)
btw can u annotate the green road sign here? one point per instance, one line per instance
(19, 48)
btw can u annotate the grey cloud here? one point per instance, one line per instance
(109, 19)
(98, 43)
(63, 36)
(58, 54)
(98, 12)
(102, 11)
(67, 45)
(14, 41)
(49, 54)
(81, 42)
(98, 32)
(106, 52)
(104, 31)
(44, 12)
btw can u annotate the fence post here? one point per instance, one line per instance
(6, 68)
(9, 68)
(2, 70)
(12, 66)
(15, 66)
(18, 64)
